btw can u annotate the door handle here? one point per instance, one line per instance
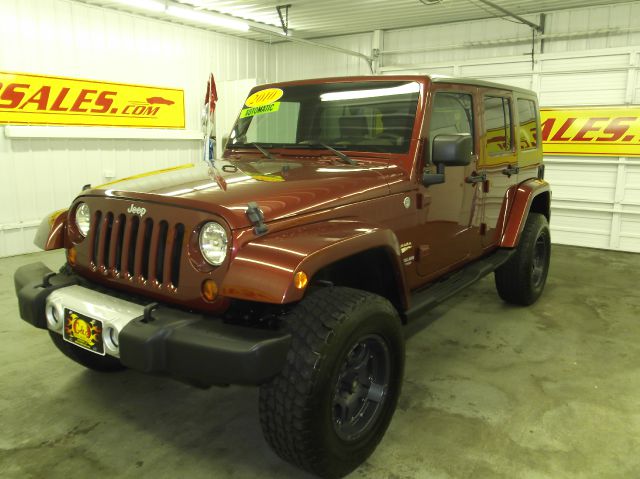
(511, 170)
(476, 178)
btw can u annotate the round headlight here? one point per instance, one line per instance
(83, 218)
(213, 243)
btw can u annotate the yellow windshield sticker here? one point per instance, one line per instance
(259, 110)
(264, 97)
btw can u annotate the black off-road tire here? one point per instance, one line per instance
(299, 415)
(521, 280)
(103, 364)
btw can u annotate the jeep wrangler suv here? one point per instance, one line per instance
(340, 210)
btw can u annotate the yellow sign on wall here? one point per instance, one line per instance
(46, 100)
(608, 131)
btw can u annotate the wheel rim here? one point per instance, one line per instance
(361, 387)
(539, 263)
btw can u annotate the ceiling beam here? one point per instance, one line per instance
(508, 13)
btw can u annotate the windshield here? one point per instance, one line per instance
(373, 116)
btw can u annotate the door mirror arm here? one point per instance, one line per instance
(429, 178)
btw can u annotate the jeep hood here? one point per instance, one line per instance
(282, 188)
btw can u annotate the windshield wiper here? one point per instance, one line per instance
(263, 151)
(339, 154)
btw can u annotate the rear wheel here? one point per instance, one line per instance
(105, 364)
(330, 406)
(521, 280)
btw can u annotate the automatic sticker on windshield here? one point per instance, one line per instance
(264, 97)
(259, 110)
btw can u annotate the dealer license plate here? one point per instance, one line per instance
(83, 331)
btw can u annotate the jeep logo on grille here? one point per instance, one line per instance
(137, 210)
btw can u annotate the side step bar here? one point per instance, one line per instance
(436, 293)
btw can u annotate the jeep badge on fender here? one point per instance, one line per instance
(340, 210)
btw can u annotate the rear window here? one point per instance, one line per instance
(528, 115)
(497, 119)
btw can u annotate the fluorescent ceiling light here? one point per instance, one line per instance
(412, 87)
(207, 18)
(151, 5)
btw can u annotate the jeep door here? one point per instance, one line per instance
(449, 230)
(498, 158)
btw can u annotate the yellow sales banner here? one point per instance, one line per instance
(606, 131)
(27, 99)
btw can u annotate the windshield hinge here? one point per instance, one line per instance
(256, 216)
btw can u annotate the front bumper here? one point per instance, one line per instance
(188, 346)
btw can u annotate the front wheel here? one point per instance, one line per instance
(330, 406)
(522, 279)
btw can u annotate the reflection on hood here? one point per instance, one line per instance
(282, 188)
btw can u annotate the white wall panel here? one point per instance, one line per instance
(445, 71)
(610, 61)
(621, 16)
(590, 183)
(60, 37)
(291, 61)
(577, 89)
(592, 227)
(497, 69)
(492, 38)
(632, 184)
(438, 38)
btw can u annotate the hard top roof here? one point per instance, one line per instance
(422, 78)
(476, 82)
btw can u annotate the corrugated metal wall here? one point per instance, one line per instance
(60, 37)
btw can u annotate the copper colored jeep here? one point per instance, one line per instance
(341, 210)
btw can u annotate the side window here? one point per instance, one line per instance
(497, 119)
(451, 113)
(528, 124)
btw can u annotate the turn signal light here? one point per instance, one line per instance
(209, 290)
(300, 280)
(72, 255)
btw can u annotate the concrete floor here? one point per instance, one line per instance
(490, 391)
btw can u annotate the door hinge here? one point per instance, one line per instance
(511, 170)
(476, 177)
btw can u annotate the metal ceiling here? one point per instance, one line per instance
(322, 18)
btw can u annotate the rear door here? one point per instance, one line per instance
(498, 158)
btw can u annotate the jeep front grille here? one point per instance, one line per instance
(138, 248)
